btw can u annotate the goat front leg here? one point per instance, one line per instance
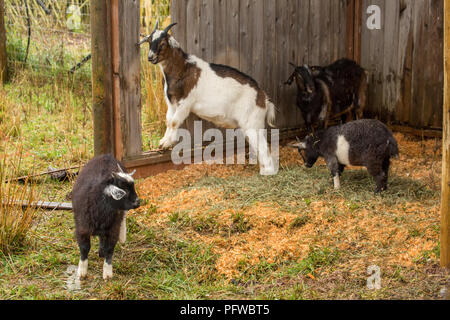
(84, 243)
(123, 230)
(107, 265)
(180, 115)
(335, 168)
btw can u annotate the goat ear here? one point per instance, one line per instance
(299, 145)
(290, 80)
(115, 192)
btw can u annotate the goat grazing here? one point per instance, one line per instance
(101, 196)
(217, 93)
(367, 143)
(326, 93)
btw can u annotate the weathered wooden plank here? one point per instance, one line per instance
(302, 40)
(404, 61)
(102, 100)
(220, 30)
(66, 206)
(391, 34)
(282, 38)
(179, 16)
(269, 81)
(245, 36)
(232, 34)
(419, 56)
(257, 52)
(3, 57)
(193, 44)
(314, 33)
(435, 75)
(130, 77)
(324, 39)
(290, 92)
(207, 30)
(445, 203)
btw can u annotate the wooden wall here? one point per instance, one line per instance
(405, 61)
(261, 37)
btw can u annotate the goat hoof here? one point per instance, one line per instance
(267, 172)
(107, 271)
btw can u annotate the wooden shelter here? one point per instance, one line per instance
(260, 37)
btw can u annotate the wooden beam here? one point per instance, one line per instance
(3, 57)
(102, 95)
(445, 204)
(43, 205)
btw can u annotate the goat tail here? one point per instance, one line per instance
(271, 113)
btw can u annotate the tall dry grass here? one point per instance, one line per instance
(57, 19)
(154, 105)
(15, 220)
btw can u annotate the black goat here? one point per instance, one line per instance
(101, 196)
(367, 143)
(327, 93)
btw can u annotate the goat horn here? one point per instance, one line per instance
(307, 68)
(170, 27)
(156, 27)
(146, 39)
(132, 174)
(120, 169)
(292, 64)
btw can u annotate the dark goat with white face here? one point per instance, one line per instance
(367, 143)
(101, 196)
(325, 93)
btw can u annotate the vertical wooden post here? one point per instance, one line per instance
(102, 98)
(445, 206)
(3, 57)
(350, 32)
(115, 56)
(354, 24)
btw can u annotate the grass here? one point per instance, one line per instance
(292, 235)
(15, 221)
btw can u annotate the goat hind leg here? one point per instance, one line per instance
(84, 243)
(258, 143)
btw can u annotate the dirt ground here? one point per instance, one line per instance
(398, 231)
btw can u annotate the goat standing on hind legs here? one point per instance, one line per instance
(216, 93)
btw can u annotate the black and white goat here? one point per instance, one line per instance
(326, 93)
(367, 143)
(217, 93)
(101, 196)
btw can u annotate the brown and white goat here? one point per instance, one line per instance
(217, 93)
(332, 92)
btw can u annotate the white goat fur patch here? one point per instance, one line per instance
(115, 192)
(126, 177)
(342, 151)
(337, 182)
(107, 271)
(123, 230)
